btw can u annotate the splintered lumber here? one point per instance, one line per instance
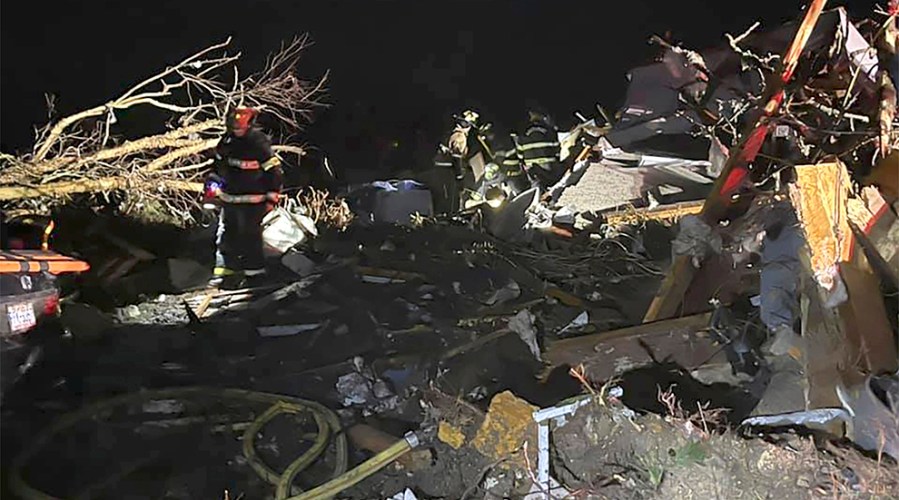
(661, 213)
(606, 354)
(821, 196)
(735, 171)
(204, 304)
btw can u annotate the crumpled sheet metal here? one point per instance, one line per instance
(871, 423)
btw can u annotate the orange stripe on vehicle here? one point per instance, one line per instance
(17, 261)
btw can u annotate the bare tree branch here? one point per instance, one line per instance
(81, 155)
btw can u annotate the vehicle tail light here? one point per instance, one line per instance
(51, 307)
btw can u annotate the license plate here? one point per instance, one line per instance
(21, 317)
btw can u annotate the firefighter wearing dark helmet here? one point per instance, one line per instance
(538, 149)
(249, 180)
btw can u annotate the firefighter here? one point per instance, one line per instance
(459, 148)
(446, 198)
(459, 144)
(539, 150)
(511, 171)
(246, 183)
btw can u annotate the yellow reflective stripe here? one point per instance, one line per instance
(222, 271)
(535, 145)
(274, 161)
(540, 161)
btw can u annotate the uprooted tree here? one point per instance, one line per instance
(83, 158)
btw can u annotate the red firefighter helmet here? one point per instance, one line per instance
(241, 119)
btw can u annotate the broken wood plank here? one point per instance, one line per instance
(606, 354)
(478, 342)
(821, 196)
(878, 234)
(823, 347)
(865, 323)
(564, 297)
(671, 212)
(392, 274)
(204, 305)
(284, 292)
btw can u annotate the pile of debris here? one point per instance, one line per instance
(776, 155)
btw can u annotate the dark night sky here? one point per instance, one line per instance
(405, 63)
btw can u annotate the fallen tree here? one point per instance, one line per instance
(84, 158)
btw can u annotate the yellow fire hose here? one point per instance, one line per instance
(325, 419)
(365, 469)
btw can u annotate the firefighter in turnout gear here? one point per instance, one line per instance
(538, 149)
(460, 146)
(513, 175)
(246, 183)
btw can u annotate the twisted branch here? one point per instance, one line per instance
(72, 159)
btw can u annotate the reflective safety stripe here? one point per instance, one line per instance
(242, 198)
(273, 196)
(272, 162)
(222, 271)
(443, 163)
(540, 161)
(544, 163)
(254, 272)
(534, 145)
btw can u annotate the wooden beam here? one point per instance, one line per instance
(605, 354)
(820, 195)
